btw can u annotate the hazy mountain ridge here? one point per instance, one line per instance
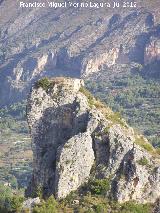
(74, 42)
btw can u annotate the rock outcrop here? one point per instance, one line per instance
(152, 51)
(75, 137)
(31, 202)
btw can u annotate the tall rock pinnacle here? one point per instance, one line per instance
(76, 137)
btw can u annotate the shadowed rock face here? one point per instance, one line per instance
(73, 42)
(152, 51)
(73, 133)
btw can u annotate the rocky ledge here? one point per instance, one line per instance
(76, 138)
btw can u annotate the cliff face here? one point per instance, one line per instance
(152, 51)
(75, 138)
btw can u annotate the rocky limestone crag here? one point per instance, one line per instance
(75, 138)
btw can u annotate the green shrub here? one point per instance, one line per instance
(48, 206)
(38, 192)
(93, 204)
(100, 208)
(132, 207)
(99, 186)
(106, 130)
(16, 203)
(143, 161)
(8, 201)
(69, 199)
(44, 83)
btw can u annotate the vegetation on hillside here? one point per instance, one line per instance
(10, 201)
(90, 199)
(135, 97)
(15, 153)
